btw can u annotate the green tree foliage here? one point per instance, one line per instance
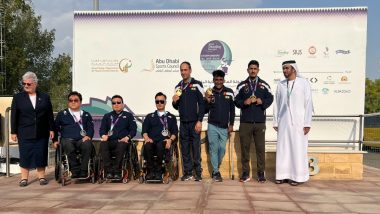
(60, 81)
(29, 48)
(372, 96)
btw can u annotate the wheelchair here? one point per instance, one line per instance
(62, 171)
(169, 165)
(130, 166)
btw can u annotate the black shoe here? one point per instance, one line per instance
(75, 170)
(186, 177)
(198, 177)
(83, 174)
(23, 183)
(109, 176)
(117, 176)
(150, 175)
(158, 174)
(280, 181)
(43, 181)
(245, 177)
(261, 177)
(74, 175)
(217, 177)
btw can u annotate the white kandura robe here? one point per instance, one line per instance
(291, 116)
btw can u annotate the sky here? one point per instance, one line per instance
(58, 15)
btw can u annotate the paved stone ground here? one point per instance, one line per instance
(229, 196)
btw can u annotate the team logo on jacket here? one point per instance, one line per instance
(246, 89)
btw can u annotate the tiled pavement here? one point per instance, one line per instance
(229, 196)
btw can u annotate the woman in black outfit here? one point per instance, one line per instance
(32, 125)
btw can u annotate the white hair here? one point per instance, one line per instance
(30, 75)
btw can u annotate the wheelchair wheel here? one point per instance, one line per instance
(100, 170)
(57, 173)
(127, 168)
(135, 162)
(174, 170)
(57, 170)
(125, 180)
(64, 175)
(141, 178)
(166, 178)
(60, 172)
(93, 171)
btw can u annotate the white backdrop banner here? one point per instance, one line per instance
(137, 53)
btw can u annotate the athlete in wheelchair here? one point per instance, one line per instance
(117, 129)
(159, 131)
(75, 151)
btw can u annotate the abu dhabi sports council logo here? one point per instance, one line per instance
(124, 65)
(216, 55)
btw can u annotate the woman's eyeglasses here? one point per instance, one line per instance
(26, 84)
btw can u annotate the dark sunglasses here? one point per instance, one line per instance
(25, 83)
(114, 103)
(160, 101)
(73, 101)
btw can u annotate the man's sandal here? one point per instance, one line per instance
(294, 183)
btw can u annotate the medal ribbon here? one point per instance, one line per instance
(79, 122)
(216, 90)
(184, 87)
(253, 89)
(114, 123)
(164, 121)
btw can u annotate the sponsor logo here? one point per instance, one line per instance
(297, 52)
(329, 80)
(342, 91)
(314, 90)
(313, 80)
(340, 51)
(216, 55)
(110, 65)
(344, 80)
(281, 53)
(325, 90)
(164, 65)
(326, 52)
(125, 64)
(312, 50)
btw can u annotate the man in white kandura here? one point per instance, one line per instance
(292, 120)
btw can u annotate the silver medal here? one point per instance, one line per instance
(110, 132)
(83, 133)
(165, 132)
